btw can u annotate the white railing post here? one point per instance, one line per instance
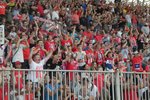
(117, 86)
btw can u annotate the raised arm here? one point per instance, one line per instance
(30, 56)
(48, 56)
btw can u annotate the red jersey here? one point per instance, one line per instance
(130, 94)
(26, 51)
(1, 95)
(99, 82)
(49, 45)
(99, 56)
(99, 37)
(147, 68)
(66, 42)
(71, 66)
(29, 96)
(137, 63)
(87, 34)
(90, 57)
(2, 8)
(40, 9)
(19, 79)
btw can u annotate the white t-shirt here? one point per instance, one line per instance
(12, 35)
(81, 56)
(2, 48)
(125, 52)
(128, 18)
(18, 53)
(55, 15)
(35, 76)
(93, 90)
(48, 16)
(145, 30)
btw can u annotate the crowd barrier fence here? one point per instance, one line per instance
(25, 84)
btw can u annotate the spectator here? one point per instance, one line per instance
(37, 64)
(52, 88)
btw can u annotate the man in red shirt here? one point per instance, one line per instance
(137, 62)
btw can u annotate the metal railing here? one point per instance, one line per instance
(73, 85)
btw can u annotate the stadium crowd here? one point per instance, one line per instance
(78, 35)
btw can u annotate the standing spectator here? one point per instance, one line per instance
(37, 64)
(137, 62)
(52, 88)
(17, 49)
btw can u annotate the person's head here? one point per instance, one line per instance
(18, 64)
(53, 78)
(13, 29)
(84, 84)
(109, 55)
(49, 38)
(146, 25)
(135, 53)
(28, 85)
(40, 43)
(80, 47)
(56, 58)
(24, 36)
(37, 58)
(94, 65)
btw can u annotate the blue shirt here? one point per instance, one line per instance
(53, 89)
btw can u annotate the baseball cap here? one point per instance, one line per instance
(17, 63)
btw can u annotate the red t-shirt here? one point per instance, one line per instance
(1, 95)
(130, 94)
(87, 34)
(75, 49)
(2, 8)
(26, 52)
(29, 96)
(75, 19)
(99, 37)
(99, 56)
(90, 57)
(66, 42)
(71, 66)
(40, 9)
(147, 69)
(19, 79)
(41, 52)
(137, 63)
(99, 82)
(49, 45)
